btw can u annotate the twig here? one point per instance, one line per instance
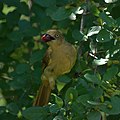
(82, 28)
(83, 16)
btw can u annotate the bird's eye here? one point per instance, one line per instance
(56, 35)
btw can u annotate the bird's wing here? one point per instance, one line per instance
(46, 58)
(42, 97)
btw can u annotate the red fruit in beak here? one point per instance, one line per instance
(47, 38)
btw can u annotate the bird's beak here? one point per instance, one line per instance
(47, 38)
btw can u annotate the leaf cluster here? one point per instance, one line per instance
(91, 90)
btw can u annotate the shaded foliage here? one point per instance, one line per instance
(91, 90)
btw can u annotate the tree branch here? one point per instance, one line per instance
(83, 16)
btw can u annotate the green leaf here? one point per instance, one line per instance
(19, 81)
(59, 117)
(115, 9)
(35, 113)
(51, 10)
(37, 74)
(81, 89)
(6, 45)
(108, 20)
(23, 9)
(12, 3)
(58, 101)
(27, 29)
(97, 93)
(46, 23)
(110, 1)
(112, 107)
(60, 14)
(1, 6)
(77, 108)
(64, 2)
(104, 36)
(44, 20)
(94, 30)
(41, 18)
(37, 56)
(54, 108)
(71, 94)
(94, 115)
(84, 99)
(8, 116)
(94, 103)
(12, 18)
(22, 68)
(110, 73)
(77, 35)
(12, 108)
(45, 3)
(94, 9)
(64, 79)
(100, 61)
(16, 36)
(20, 59)
(2, 109)
(118, 22)
(63, 24)
(92, 78)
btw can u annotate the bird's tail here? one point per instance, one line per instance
(43, 94)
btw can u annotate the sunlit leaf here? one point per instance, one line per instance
(94, 30)
(79, 10)
(93, 103)
(72, 16)
(110, 1)
(101, 61)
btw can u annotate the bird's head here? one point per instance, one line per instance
(52, 36)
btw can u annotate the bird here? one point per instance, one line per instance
(58, 60)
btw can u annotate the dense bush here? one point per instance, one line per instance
(91, 91)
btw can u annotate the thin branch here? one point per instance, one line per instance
(82, 24)
(82, 28)
(83, 16)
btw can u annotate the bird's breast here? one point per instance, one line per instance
(63, 59)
